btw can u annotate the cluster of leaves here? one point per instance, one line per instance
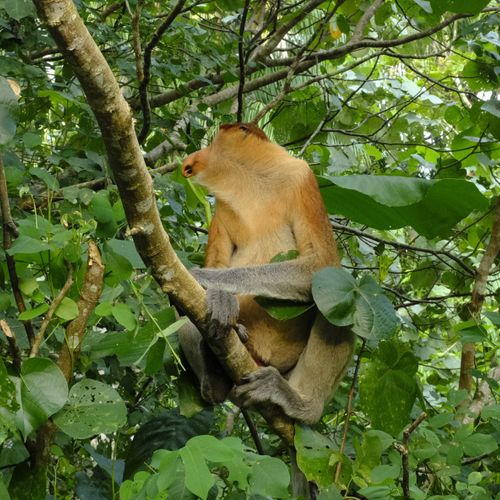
(422, 118)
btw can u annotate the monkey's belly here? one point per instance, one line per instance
(274, 342)
(261, 250)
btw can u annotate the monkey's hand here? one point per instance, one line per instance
(223, 310)
(267, 386)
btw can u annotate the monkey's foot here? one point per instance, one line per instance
(263, 386)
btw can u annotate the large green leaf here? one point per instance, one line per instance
(459, 6)
(93, 408)
(17, 9)
(314, 452)
(344, 302)
(28, 245)
(432, 208)
(388, 387)
(44, 390)
(199, 479)
(269, 478)
(130, 347)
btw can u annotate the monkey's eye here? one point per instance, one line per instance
(244, 128)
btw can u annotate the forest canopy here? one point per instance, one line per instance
(393, 104)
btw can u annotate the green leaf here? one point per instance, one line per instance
(5, 300)
(118, 268)
(49, 180)
(492, 107)
(330, 493)
(127, 250)
(491, 411)
(282, 309)
(459, 6)
(383, 472)
(17, 9)
(44, 391)
(122, 313)
(132, 346)
(67, 310)
(34, 313)
(100, 207)
(199, 479)
(313, 455)
(269, 478)
(479, 444)
(388, 389)
(344, 302)
(3, 490)
(28, 245)
(374, 315)
(92, 408)
(333, 292)
(189, 397)
(168, 463)
(104, 309)
(369, 452)
(376, 492)
(432, 208)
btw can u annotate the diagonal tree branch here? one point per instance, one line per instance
(135, 186)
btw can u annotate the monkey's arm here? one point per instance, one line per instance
(289, 280)
(219, 246)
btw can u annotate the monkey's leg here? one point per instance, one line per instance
(214, 383)
(311, 382)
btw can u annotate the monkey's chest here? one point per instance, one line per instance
(255, 248)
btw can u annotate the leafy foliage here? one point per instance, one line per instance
(399, 118)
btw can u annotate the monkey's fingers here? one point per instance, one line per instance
(242, 332)
(222, 306)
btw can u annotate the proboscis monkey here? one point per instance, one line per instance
(267, 203)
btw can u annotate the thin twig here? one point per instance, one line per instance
(403, 449)
(52, 309)
(253, 431)
(143, 87)
(404, 246)
(241, 61)
(348, 411)
(310, 60)
(10, 232)
(364, 20)
(110, 9)
(136, 40)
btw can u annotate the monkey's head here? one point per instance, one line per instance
(234, 144)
